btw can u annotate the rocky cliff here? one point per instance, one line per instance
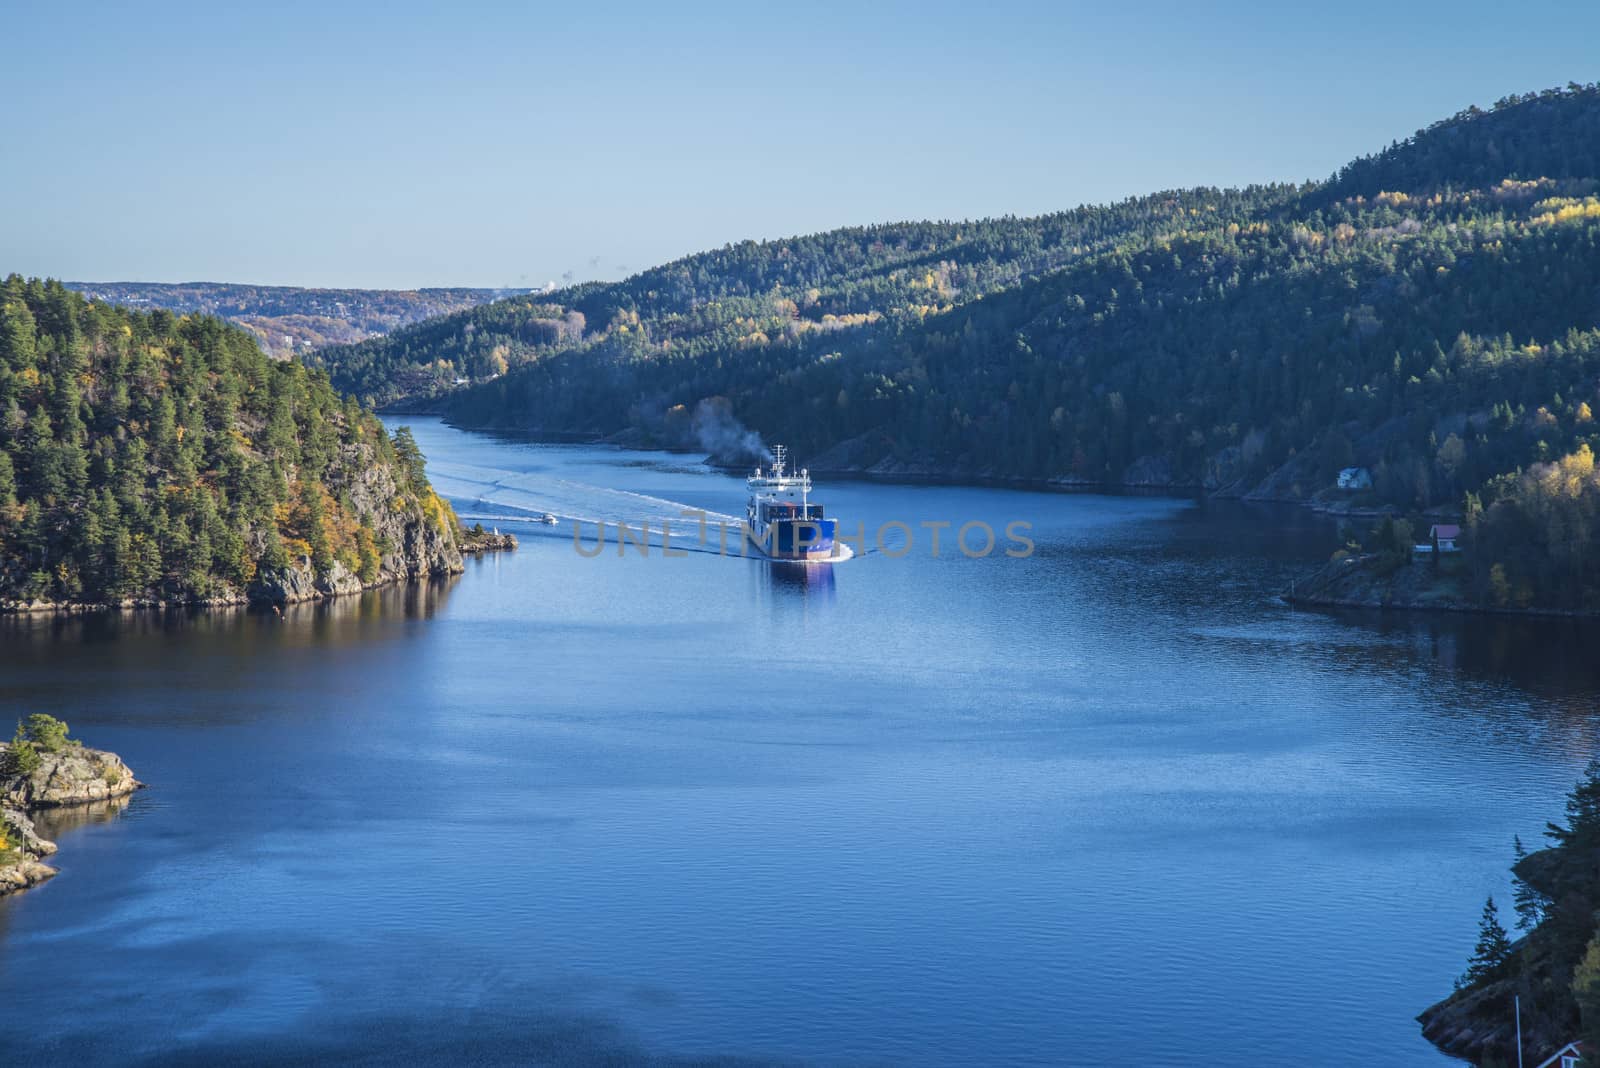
(415, 536)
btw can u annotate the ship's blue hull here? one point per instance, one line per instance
(800, 539)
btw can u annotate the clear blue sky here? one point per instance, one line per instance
(398, 145)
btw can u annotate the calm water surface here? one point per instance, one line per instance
(929, 811)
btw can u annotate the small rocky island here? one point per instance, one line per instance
(475, 539)
(42, 768)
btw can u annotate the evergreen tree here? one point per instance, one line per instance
(1583, 812)
(1493, 952)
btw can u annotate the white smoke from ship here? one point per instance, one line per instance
(721, 434)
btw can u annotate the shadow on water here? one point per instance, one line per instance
(1552, 659)
(812, 581)
(1549, 658)
(412, 600)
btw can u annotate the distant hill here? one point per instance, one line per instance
(286, 319)
(1554, 134)
(1430, 313)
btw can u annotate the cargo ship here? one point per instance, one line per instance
(783, 522)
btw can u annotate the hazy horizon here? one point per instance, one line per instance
(507, 147)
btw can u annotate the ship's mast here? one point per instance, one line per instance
(779, 453)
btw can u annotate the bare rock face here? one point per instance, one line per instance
(74, 775)
(20, 832)
(416, 543)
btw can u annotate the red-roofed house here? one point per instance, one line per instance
(1567, 1056)
(1445, 534)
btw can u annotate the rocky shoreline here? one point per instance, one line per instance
(1473, 1024)
(417, 542)
(73, 775)
(431, 556)
(1362, 581)
(290, 586)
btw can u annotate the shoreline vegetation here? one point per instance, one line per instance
(302, 587)
(1525, 554)
(1553, 968)
(1366, 582)
(41, 768)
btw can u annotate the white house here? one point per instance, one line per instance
(1445, 535)
(1355, 478)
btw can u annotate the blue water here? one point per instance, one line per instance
(1105, 801)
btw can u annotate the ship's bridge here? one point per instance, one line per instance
(777, 481)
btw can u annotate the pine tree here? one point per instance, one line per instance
(1583, 812)
(1529, 903)
(1493, 951)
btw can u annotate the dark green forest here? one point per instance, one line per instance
(158, 458)
(1429, 313)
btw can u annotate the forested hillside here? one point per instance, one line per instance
(1429, 313)
(757, 296)
(156, 458)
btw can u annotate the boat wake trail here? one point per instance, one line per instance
(525, 498)
(483, 494)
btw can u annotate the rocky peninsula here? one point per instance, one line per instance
(1375, 580)
(42, 768)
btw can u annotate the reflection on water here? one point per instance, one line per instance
(805, 580)
(1035, 811)
(54, 823)
(1553, 658)
(319, 619)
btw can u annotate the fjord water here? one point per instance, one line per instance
(1108, 801)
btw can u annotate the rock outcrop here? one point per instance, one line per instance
(1475, 1023)
(73, 775)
